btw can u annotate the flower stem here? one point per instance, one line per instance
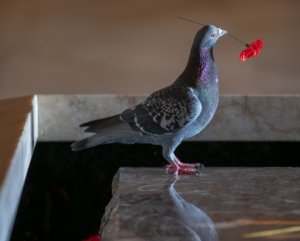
(229, 34)
(237, 39)
(191, 21)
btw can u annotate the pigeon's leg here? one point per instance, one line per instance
(188, 165)
(176, 167)
(172, 169)
(183, 168)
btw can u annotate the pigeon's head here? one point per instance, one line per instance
(209, 35)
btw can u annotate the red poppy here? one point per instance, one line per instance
(95, 237)
(252, 50)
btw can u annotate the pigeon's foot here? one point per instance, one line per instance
(186, 169)
(190, 165)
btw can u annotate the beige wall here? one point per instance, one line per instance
(134, 46)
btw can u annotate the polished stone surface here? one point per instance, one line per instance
(238, 118)
(18, 135)
(220, 204)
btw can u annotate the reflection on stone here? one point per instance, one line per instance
(158, 213)
(196, 222)
(242, 202)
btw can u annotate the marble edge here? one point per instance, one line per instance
(112, 206)
(12, 185)
(13, 114)
(238, 117)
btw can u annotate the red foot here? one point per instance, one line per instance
(189, 165)
(190, 169)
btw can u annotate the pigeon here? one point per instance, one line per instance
(170, 115)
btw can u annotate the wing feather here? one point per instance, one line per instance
(165, 111)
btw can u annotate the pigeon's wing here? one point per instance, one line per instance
(165, 111)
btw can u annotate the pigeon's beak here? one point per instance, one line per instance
(221, 32)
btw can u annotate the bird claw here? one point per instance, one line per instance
(184, 168)
(191, 165)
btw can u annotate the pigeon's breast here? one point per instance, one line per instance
(209, 98)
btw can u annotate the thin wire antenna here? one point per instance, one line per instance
(229, 34)
(191, 21)
(237, 39)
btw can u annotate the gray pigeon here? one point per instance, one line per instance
(172, 114)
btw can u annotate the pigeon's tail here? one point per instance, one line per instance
(112, 137)
(108, 130)
(92, 141)
(87, 143)
(99, 124)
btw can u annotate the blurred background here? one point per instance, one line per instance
(136, 46)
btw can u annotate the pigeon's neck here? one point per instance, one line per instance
(200, 67)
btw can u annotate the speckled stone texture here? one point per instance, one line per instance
(238, 118)
(220, 204)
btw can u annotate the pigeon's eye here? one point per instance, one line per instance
(212, 35)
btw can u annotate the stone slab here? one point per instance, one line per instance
(18, 135)
(220, 204)
(238, 118)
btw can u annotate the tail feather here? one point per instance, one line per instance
(91, 141)
(96, 125)
(108, 130)
(94, 140)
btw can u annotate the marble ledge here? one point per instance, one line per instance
(238, 118)
(220, 204)
(18, 128)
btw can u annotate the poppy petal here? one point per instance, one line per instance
(252, 50)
